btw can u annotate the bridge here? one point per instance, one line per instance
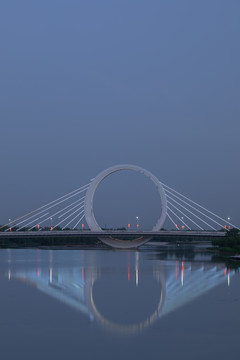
(75, 209)
(115, 239)
(112, 233)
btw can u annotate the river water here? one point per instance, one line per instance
(104, 304)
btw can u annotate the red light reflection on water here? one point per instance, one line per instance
(128, 266)
(182, 273)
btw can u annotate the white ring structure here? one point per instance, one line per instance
(88, 206)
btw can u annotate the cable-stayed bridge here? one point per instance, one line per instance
(74, 211)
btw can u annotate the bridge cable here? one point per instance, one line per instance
(74, 218)
(178, 218)
(34, 211)
(58, 212)
(185, 215)
(194, 209)
(78, 222)
(175, 225)
(185, 197)
(192, 213)
(68, 217)
(66, 212)
(28, 218)
(32, 221)
(46, 209)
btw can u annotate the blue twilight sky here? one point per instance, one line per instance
(89, 84)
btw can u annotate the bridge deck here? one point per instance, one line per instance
(122, 234)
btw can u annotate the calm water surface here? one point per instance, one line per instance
(103, 304)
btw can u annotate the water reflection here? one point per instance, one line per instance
(123, 292)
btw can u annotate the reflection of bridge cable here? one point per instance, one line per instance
(185, 215)
(193, 202)
(195, 210)
(181, 220)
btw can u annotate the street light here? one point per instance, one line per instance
(137, 217)
(50, 223)
(228, 223)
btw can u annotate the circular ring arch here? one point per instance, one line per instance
(88, 205)
(130, 329)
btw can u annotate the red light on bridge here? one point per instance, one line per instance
(38, 226)
(183, 227)
(82, 226)
(51, 228)
(10, 229)
(137, 226)
(176, 226)
(129, 226)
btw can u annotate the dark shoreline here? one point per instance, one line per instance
(164, 244)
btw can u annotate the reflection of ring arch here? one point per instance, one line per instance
(88, 205)
(120, 329)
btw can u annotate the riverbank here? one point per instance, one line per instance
(230, 243)
(49, 243)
